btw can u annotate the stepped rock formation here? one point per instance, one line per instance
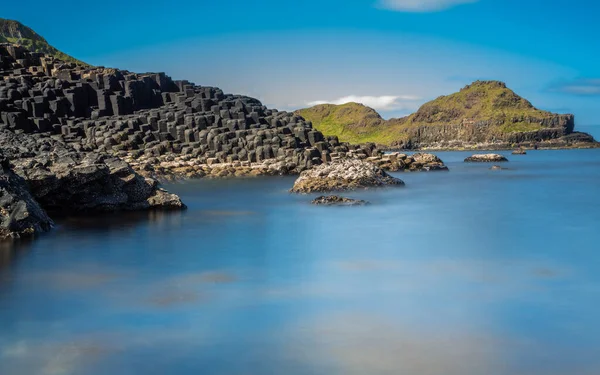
(483, 115)
(159, 125)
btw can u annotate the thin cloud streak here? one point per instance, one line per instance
(581, 87)
(421, 5)
(385, 102)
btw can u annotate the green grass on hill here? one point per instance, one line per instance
(488, 101)
(17, 33)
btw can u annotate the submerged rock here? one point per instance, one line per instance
(519, 152)
(498, 168)
(343, 175)
(20, 214)
(485, 158)
(334, 200)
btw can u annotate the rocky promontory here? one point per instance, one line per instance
(343, 175)
(485, 115)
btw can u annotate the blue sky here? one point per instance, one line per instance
(391, 54)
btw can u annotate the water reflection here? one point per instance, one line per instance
(442, 277)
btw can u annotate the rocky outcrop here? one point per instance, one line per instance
(335, 200)
(343, 175)
(485, 158)
(65, 181)
(20, 214)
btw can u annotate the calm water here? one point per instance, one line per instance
(470, 272)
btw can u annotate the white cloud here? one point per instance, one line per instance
(421, 5)
(385, 103)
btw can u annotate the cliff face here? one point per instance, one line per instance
(485, 114)
(15, 32)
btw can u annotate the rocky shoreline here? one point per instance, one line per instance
(87, 139)
(575, 140)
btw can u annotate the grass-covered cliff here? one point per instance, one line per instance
(485, 111)
(17, 33)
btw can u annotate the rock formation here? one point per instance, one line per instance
(20, 214)
(343, 175)
(335, 200)
(483, 115)
(485, 158)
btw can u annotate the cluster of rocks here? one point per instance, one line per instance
(335, 200)
(485, 158)
(349, 174)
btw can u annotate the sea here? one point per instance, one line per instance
(466, 272)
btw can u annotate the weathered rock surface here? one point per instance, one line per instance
(20, 214)
(65, 181)
(485, 158)
(343, 175)
(335, 200)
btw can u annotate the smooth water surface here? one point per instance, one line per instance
(469, 272)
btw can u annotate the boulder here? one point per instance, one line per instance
(428, 162)
(335, 200)
(519, 152)
(343, 175)
(485, 158)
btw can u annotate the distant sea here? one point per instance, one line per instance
(468, 272)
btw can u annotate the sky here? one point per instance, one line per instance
(392, 55)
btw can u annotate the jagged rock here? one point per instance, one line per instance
(485, 158)
(334, 200)
(343, 175)
(20, 214)
(65, 181)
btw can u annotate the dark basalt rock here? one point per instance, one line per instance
(334, 200)
(64, 181)
(486, 158)
(20, 214)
